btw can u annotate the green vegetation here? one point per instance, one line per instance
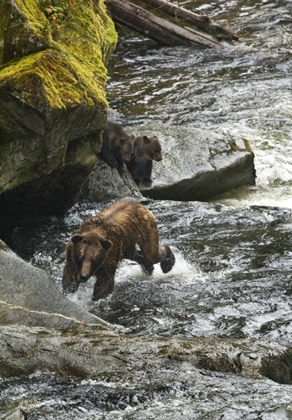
(70, 68)
(53, 58)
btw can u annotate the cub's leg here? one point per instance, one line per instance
(147, 181)
(119, 163)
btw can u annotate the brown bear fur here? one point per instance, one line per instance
(104, 240)
(117, 146)
(145, 151)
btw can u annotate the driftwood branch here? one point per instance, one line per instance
(169, 24)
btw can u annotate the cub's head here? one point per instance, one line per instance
(89, 252)
(126, 146)
(152, 148)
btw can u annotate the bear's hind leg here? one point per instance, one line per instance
(134, 254)
(166, 258)
(154, 253)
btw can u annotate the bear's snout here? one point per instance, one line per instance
(127, 157)
(86, 271)
(83, 278)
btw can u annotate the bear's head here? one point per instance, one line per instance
(126, 146)
(152, 148)
(89, 253)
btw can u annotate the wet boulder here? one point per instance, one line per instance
(15, 414)
(30, 297)
(149, 363)
(52, 103)
(105, 183)
(197, 163)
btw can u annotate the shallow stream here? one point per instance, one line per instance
(232, 277)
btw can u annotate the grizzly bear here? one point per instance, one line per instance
(145, 151)
(117, 146)
(104, 240)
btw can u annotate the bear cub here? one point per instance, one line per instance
(117, 146)
(104, 240)
(146, 149)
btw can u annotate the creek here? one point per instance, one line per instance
(232, 276)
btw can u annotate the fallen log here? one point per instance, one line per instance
(202, 22)
(169, 24)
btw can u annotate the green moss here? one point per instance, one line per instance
(72, 70)
(87, 32)
(89, 36)
(4, 20)
(32, 15)
(53, 74)
(48, 76)
(22, 30)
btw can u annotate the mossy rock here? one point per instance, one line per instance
(53, 105)
(56, 63)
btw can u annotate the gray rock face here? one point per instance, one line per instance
(105, 183)
(197, 164)
(17, 414)
(30, 297)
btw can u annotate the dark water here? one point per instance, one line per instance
(232, 277)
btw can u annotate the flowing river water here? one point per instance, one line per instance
(232, 277)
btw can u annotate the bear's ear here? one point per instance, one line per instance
(146, 140)
(106, 244)
(76, 239)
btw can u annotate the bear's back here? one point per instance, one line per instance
(126, 212)
(125, 218)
